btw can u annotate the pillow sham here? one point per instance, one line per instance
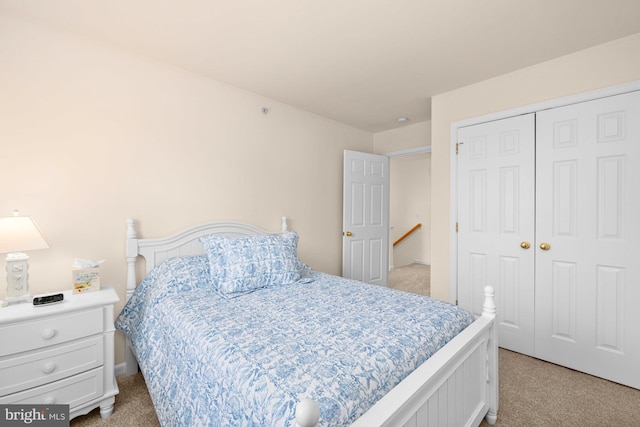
(239, 265)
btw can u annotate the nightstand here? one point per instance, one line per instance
(61, 353)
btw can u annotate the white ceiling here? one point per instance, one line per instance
(361, 62)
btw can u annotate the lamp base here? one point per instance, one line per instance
(17, 276)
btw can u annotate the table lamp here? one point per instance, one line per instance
(18, 234)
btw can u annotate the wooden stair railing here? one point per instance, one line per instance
(407, 234)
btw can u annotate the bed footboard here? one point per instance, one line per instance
(457, 386)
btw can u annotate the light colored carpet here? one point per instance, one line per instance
(541, 394)
(414, 278)
(133, 407)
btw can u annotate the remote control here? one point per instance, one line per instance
(47, 299)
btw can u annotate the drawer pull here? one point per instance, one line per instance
(48, 367)
(49, 400)
(47, 334)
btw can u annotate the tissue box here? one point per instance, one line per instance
(85, 280)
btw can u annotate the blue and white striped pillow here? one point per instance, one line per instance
(240, 265)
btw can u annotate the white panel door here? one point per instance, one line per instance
(365, 241)
(495, 224)
(588, 213)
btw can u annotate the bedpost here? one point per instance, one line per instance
(489, 310)
(307, 413)
(132, 255)
(489, 304)
(284, 227)
(131, 364)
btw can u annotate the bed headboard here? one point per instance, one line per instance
(183, 243)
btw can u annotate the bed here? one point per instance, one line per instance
(217, 347)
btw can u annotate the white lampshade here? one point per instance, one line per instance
(20, 233)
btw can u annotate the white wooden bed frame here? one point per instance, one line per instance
(457, 386)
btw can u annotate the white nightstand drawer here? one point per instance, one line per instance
(42, 367)
(73, 391)
(60, 353)
(36, 334)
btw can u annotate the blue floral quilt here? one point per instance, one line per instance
(247, 361)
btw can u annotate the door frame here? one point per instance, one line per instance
(422, 149)
(453, 163)
(391, 154)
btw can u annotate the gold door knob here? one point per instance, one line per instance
(525, 245)
(348, 234)
(545, 246)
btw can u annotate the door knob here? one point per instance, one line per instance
(348, 234)
(525, 245)
(545, 246)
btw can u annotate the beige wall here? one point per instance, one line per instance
(601, 66)
(410, 191)
(91, 135)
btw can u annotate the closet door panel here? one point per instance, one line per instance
(495, 216)
(587, 287)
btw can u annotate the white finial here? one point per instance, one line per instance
(131, 228)
(307, 413)
(489, 305)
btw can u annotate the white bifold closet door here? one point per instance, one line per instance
(549, 214)
(588, 211)
(496, 196)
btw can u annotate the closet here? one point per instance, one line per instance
(548, 212)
